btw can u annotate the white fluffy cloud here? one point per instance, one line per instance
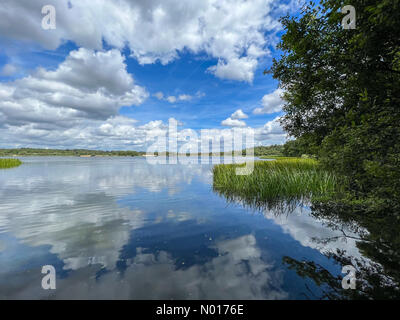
(87, 85)
(271, 103)
(233, 31)
(270, 133)
(273, 127)
(239, 114)
(241, 69)
(122, 133)
(229, 122)
(234, 119)
(77, 104)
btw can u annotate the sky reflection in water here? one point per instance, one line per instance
(123, 228)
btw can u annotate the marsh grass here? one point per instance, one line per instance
(278, 158)
(282, 184)
(9, 163)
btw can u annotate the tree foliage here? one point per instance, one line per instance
(342, 91)
(273, 150)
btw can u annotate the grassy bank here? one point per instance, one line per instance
(275, 183)
(9, 163)
(278, 157)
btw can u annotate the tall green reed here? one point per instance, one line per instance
(9, 163)
(278, 184)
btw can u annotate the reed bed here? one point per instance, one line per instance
(9, 163)
(279, 183)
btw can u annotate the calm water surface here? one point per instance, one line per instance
(122, 228)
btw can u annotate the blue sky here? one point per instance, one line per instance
(217, 98)
(198, 65)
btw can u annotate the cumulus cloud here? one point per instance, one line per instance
(236, 32)
(271, 103)
(271, 133)
(239, 114)
(273, 127)
(122, 133)
(233, 120)
(87, 85)
(229, 122)
(235, 69)
(76, 106)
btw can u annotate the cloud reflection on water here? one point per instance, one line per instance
(87, 212)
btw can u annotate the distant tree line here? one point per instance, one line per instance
(273, 150)
(66, 152)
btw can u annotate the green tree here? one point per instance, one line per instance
(342, 91)
(302, 145)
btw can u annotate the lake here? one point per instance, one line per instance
(122, 228)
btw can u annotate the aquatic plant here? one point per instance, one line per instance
(283, 183)
(9, 163)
